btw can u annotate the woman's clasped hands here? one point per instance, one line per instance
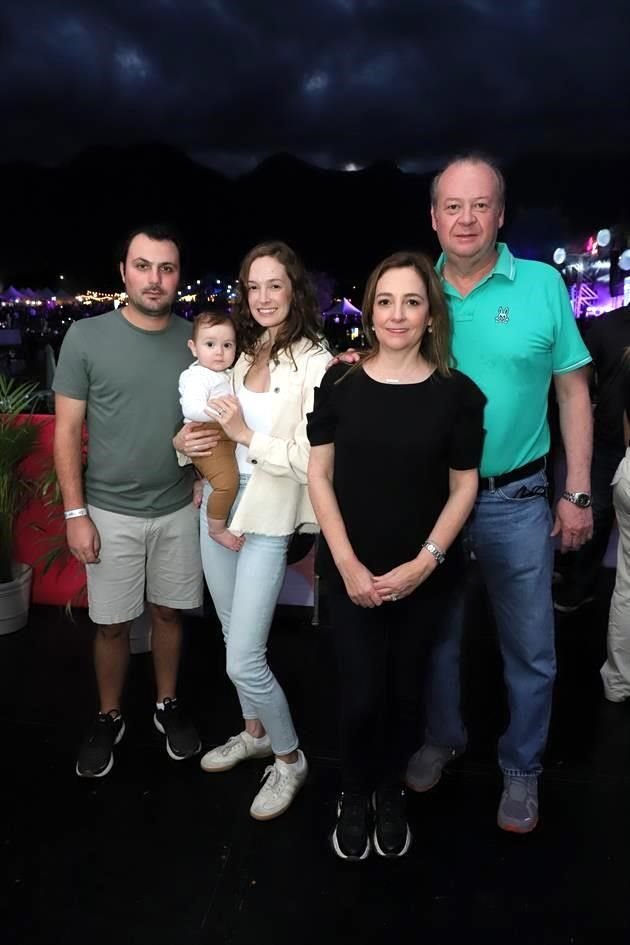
(368, 590)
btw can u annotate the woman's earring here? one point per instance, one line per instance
(429, 328)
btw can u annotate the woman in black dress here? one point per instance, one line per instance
(395, 445)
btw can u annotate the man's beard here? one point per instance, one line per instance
(164, 307)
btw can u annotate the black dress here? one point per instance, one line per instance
(394, 446)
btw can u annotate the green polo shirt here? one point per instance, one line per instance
(510, 335)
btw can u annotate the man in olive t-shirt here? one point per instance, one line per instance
(131, 520)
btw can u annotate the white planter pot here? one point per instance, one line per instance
(15, 598)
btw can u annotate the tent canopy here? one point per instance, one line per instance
(12, 295)
(32, 295)
(343, 307)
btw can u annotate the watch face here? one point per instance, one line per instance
(581, 499)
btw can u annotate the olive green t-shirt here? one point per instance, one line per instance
(128, 378)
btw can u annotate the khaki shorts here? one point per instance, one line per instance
(144, 559)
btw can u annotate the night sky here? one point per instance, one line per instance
(340, 83)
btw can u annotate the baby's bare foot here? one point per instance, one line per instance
(197, 492)
(227, 539)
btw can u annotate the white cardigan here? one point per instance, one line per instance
(275, 501)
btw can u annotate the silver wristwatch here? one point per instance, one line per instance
(581, 499)
(433, 550)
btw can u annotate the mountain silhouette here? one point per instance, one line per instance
(70, 219)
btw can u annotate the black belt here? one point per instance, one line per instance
(495, 482)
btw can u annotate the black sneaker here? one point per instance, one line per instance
(182, 738)
(351, 836)
(392, 836)
(96, 754)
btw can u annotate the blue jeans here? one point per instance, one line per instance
(509, 537)
(244, 586)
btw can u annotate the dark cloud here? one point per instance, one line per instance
(335, 81)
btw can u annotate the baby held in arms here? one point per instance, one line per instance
(213, 344)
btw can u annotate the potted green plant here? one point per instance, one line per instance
(18, 437)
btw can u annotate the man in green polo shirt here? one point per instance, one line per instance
(513, 333)
(131, 519)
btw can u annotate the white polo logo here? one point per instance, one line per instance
(503, 314)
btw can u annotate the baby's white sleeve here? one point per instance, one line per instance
(222, 387)
(194, 391)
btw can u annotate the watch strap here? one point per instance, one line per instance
(434, 550)
(581, 499)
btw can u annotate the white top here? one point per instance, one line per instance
(197, 385)
(275, 500)
(257, 412)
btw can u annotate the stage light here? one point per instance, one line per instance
(604, 237)
(559, 255)
(624, 260)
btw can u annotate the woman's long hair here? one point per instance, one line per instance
(303, 320)
(435, 346)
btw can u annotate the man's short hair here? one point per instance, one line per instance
(155, 231)
(471, 157)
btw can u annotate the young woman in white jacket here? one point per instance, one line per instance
(283, 359)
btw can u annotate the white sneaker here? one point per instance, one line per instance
(282, 783)
(237, 748)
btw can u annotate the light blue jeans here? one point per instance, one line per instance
(509, 537)
(244, 586)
